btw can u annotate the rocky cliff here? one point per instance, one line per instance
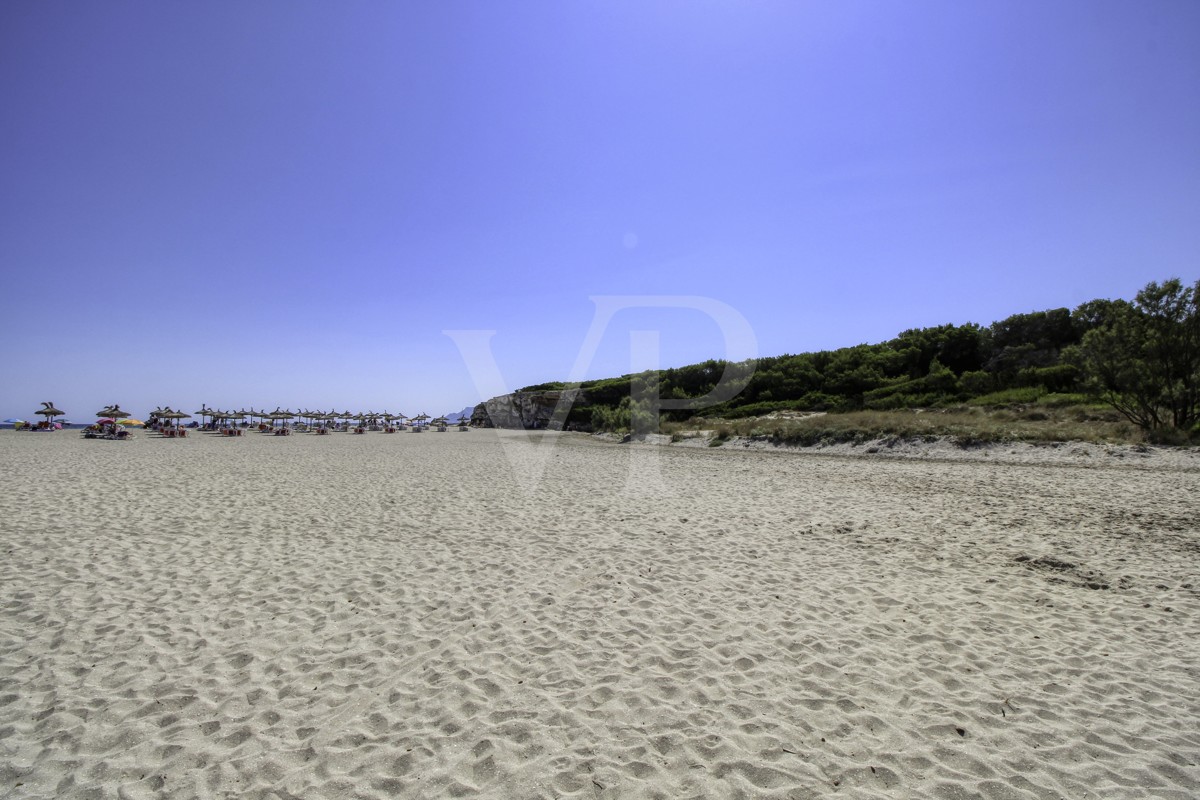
(522, 410)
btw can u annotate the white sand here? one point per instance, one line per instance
(395, 616)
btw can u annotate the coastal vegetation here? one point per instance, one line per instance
(966, 426)
(1107, 370)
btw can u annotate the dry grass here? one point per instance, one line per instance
(965, 426)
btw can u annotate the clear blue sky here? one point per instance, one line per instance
(288, 202)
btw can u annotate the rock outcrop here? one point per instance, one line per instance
(523, 410)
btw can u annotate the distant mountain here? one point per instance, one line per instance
(457, 415)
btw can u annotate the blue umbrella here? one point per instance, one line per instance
(13, 421)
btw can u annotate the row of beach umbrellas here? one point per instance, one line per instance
(114, 413)
(284, 415)
(169, 415)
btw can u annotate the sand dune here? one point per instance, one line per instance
(410, 616)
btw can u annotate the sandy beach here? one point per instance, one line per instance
(423, 616)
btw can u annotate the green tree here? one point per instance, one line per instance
(1144, 359)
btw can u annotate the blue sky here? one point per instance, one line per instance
(289, 202)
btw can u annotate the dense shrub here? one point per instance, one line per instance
(1008, 397)
(1142, 358)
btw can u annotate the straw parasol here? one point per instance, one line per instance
(280, 414)
(111, 415)
(176, 415)
(49, 412)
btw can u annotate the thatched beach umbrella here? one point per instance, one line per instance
(166, 416)
(279, 414)
(176, 415)
(49, 412)
(204, 411)
(114, 414)
(164, 419)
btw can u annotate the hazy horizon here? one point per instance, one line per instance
(257, 205)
